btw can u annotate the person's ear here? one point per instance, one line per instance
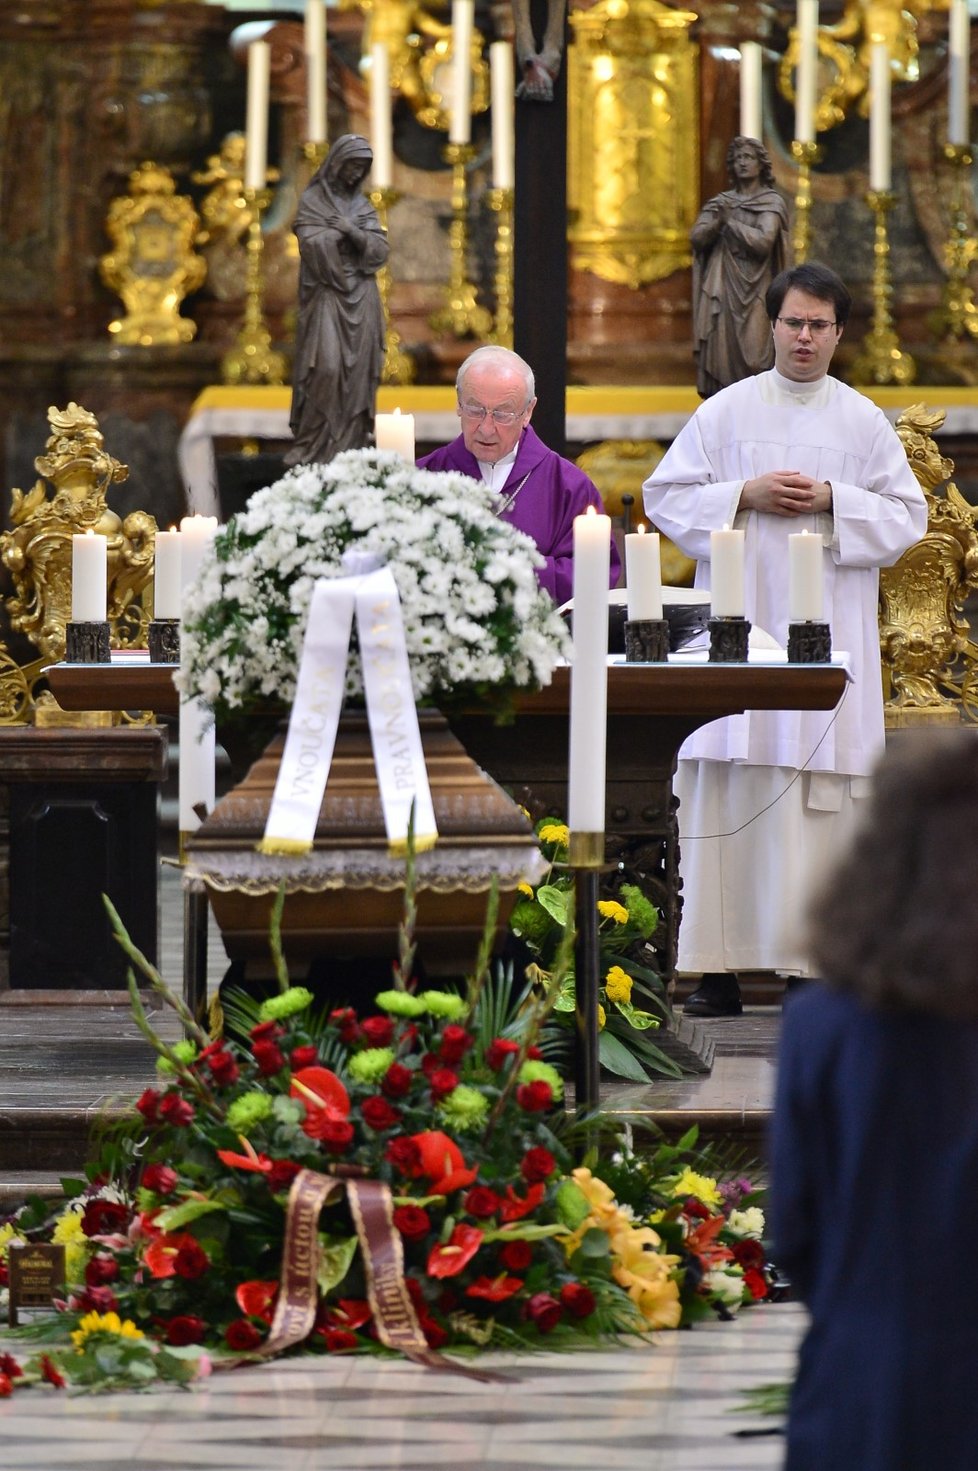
(530, 407)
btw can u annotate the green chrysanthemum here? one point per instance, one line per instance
(184, 1052)
(400, 1003)
(286, 1003)
(444, 1004)
(642, 913)
(370, 1065)
(248, 1110)
(530, 921)
(464, 1108)
(534, 1071)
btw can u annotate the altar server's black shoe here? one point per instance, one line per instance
(717, 994)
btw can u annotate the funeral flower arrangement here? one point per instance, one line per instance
(476, 622)
(188, 1245)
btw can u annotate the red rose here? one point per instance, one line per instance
(455, 1043)
(148, 1104)
(269, 1058)
(545, 1311)
(379, 1114)
(282, 1173)
(405, 1155)
(516, 1255)
(6, 1387)
(10, 1366)
(223, 1068)
(191, 1260)
(537, 1164)
(104, 1217)
(100, 1270)
(345, 1020)
(161, 1179)
(430, 1063)
(443, 1081)
(756, 1283)
(577, 1299)
(303, 1056)
(450, 1258)
(693, 1206)
(498, 1051)
(266, 1032)
(534, 1054)
(338, 1340)
(412, 1221)
(176, 1110)
(535, 1096)
(96, 1300)
(748, 1252)
(397, 1080)
(242, 1335)
(335, 1135)
(482, 1202)
(184, 1329)
(51, 1374)
(378, 1030)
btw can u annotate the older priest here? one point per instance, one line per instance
(539, 491)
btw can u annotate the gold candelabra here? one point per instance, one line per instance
(881, 360)
(461, 315)
(252, 359)
(804, 154)
(957, 316)
(500, 201)
(398, 365)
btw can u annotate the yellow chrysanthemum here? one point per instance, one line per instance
(702, 1186)
(602, 1017)
(109, 1323)
(618, 984)
(8, 1233)
(611, 909)
(555, 832)
(69, 1234)
(524, 888)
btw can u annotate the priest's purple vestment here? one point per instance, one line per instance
(544, 493)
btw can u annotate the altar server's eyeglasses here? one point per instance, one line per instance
(817, 326)
(501, 417)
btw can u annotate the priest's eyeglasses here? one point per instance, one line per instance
(817, 326)
(502, 418)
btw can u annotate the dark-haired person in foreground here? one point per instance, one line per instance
(768, 797)
(873, 1200)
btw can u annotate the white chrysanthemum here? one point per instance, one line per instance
(475, 618)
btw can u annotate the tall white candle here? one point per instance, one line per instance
(460, 116)
(643, 575)
(381, 124)
(959, 73)
(196, 535)
(166, 575)
(806, 75)
(727, 573)
(750, 90)
(805, 578)
(502, 83)
(315, 50)
(395, 431)
(589, 674)
(879, 116)
(256, 126)
(88, 578)
(195, 777)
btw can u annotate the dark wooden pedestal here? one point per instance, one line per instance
(78, 819)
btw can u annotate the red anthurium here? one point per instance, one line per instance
(350, 1313)
(443, 1162)
(494, 1289)
(255, 1298)
(317, 1087)
(161, 1253)
(458, 1251)
(515, 1207)
(250, 1160)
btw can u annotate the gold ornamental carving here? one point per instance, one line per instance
(37, 551)
(930, 664)
(617, 467)
(633, 140)
(152, 265)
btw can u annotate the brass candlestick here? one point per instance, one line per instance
(957, 317)
(461, 315)
(881, 360)
(252, 359)
(500, 201)
(398, 366)
(314, 155)
(804, 154)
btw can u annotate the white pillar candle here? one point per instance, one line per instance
(643, 575)
(381, 124)
(166, 574)
(879, 116)
(256, 126)
(959, 74)
(589, 674)
(460, 115)
(806, 74)
(727, 573)
(196, 784)
(315, 50)
(196, 535)
(502, 89)
(88, 578)
(805, 578)
(395, 431)
(750, 90)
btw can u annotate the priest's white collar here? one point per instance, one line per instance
(497, 474)
(777, 389)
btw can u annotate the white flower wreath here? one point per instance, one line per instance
(478, 625)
